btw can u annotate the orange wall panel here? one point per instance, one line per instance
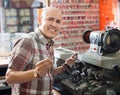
(107, 13)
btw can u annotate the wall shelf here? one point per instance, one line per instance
(18, 20)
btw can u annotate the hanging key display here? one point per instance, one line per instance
(77, 15)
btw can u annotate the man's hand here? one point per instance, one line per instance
(71, 60)
(43, 66)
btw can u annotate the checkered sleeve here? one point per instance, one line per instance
(21, 54)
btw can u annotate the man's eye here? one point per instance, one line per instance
(58, 21)
(50, 19)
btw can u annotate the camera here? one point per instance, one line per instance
(102, 42)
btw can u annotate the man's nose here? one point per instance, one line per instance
(54, 23)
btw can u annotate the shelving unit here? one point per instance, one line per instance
(5, 89)
(18, 20)
(77, 16)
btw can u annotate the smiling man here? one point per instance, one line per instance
(31, 68)
(50, 22)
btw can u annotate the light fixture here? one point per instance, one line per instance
(37, 4)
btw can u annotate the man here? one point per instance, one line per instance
(31, 66)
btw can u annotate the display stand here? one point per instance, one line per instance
(77, 16)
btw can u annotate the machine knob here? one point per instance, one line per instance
(117, 69)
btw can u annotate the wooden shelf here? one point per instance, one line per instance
(2, 77)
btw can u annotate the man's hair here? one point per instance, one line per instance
(47, 9)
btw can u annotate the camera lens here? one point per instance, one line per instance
(111, 41)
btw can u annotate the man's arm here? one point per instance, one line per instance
(14, 76)
(70, 61)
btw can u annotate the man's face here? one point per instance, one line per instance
(50, 23)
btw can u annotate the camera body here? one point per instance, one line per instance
(103, 42)
(96, 41)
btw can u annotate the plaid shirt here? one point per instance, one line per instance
(27, 51)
